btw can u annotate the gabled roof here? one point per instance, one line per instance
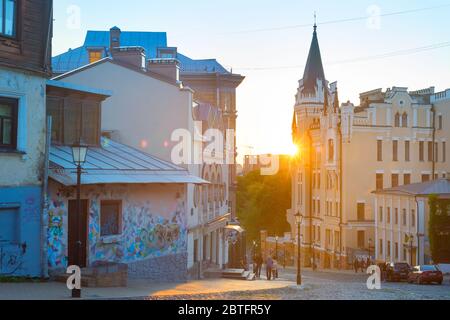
(150, 41)
(115, 163)
(314, 67)
(439, 187)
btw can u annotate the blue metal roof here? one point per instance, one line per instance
(150, 41)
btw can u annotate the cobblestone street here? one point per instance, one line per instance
(330, 286)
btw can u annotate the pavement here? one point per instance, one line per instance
(136, 289)
(317, 285)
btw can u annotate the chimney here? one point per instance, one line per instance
(166, 63)
(166, 67)
(131, 56)
(114, 38)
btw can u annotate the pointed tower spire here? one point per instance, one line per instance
(314, 67)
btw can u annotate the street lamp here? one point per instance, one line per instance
(299, 220)
(276, 248)
(79, 153)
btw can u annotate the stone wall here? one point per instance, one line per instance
(171, 268)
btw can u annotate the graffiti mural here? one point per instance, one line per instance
(150, 228)
(56, 239)
(12, 258)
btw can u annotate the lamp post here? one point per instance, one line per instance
(298, 219)
(79, 153)
(276, 248)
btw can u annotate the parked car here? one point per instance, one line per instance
(397, 271)
(426, 274)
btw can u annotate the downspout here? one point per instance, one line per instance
(341, 156)
(48, 40)
(418, 231)
(433, 111)
(311, 240)
(45, 201)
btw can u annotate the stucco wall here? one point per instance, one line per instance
(25, 168)
(153, 225)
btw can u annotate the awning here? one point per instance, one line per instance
(239, 229)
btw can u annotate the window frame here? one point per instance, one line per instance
(119, 203)
(15, 20)
(14, 104)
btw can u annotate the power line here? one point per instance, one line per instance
(360, 59)
(339, 20)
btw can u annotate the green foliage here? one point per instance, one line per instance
(262, 202)
(5, 279)
(438, 229)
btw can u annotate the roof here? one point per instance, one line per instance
(439, 187)
(150, 41)
(314, 67)
(76, 87)
(114, 163)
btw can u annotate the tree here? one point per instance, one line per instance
(439, 229)
(262, 202)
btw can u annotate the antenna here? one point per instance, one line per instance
(315, 20)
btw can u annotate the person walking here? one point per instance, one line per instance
(259, 262)
(355, 265)
(269, 266)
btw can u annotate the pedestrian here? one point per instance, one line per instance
(269, 265)
(355, 265)
(275, 269)
(259, 262)
(362, 265)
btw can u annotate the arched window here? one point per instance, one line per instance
(397, 120)
(405, 120)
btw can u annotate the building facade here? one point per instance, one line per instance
(159, 108)
(25, 51)
(392, 138)
(402, 232)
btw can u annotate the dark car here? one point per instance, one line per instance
(426, 274)
(397, 271)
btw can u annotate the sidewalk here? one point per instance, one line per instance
(135, 289)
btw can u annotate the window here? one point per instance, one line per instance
(331, 150)
(430, 151)
(421, 151)
(407, 151)
(361, 209)
(407, 178)
(10, 222)
(405, 120)
(110, 218)
(413, 218)
(425, 177)
(397, 120)
(380, 150)
(72, 117)
(444, 151)
(394, 150)
(389, 248)
(440, 123)
(388, 217)
(380, 183)
(380, 213)
(361, 239)
(436, 152)
(396, 250)
(381, 247)
(8, 18)
(94, 56)
(394, 180)
(8, 123)
(396, 216)
(404, 217)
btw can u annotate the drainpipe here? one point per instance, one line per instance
(311, 240)
(418, 231)
(45, 201)
(341, 156)
(433, 111)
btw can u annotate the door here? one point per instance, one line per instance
(73, 235)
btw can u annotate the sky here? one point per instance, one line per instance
(365, 45)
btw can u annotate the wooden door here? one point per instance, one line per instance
(73, 229)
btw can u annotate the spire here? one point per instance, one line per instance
(314, 67)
